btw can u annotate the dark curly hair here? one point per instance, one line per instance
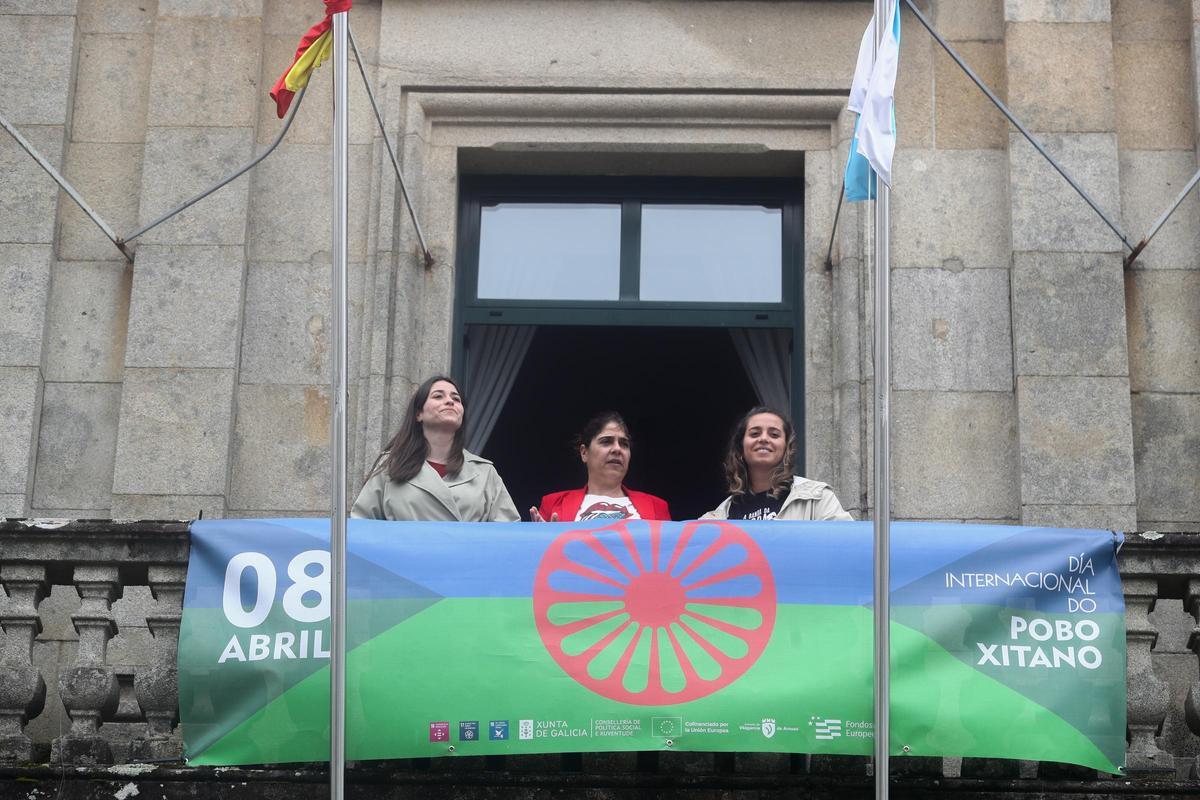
(737, 475)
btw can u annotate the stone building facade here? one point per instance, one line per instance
(1035, 380)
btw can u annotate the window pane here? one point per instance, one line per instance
(727, 254)
(550, 251)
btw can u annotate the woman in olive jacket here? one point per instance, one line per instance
(425, 474)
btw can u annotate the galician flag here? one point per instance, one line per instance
(872, 97)
(315, 46)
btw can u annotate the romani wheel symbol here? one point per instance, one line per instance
(653, 619)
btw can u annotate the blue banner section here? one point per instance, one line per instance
(824, 563)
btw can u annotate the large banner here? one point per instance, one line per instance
(489, 638)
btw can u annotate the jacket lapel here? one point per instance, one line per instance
(429, 481)
(641, 502)
(570, 505)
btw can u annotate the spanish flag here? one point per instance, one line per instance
(315, 47)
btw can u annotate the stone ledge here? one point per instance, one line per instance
(388, 781)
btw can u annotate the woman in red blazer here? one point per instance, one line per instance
(604, 449)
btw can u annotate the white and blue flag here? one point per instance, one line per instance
(872, 97)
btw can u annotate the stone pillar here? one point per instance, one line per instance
(89, 295)
(156, 684)
(1148, 695)
(1068, 305)
(35, 95)
(89, 689)
(22, 689)
(185, 313)
(1157, 48)
(954, 448)
(1191, 707)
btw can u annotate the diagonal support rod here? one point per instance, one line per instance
(287, 123)
(1137, 251)
(391, 152)
(1017, 124)
(68, 188)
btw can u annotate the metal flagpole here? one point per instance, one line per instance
(882, 477)
(337, 522)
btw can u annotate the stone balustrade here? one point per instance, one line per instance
(90, 622)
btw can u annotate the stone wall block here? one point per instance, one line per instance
(1060, 76)
(178, 163)
(712, 44)
(818, 355)
(969, 20)
(191, 87)
(24, 286)
(107, 175)
(190, 409)
(1166, 441)
(22, 687)
(1068, 310)
(1057, 10)
(38, 7)
(116, 16)
(89, 315)
(111, 92)
(225, 9)
(305, 172)
(1148, 696)
(819, 447)
(286, 333)
(89, 690)
(1106, 516)
(168, 506)
(1151, 20)
(156, 684)
(954, 455)
(37, 76)
(281, 448)
(1164, 330)
(30, 196)
(1154, 96)
(77, 440)
(914, 84)
(1047, 214)
(951, 330)
(1076, 441)
(185, 307)
(20, 409)
(1150, 182)
(850, 452)
(964, 117)
(954, 209)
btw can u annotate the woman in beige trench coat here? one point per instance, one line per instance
(424, 473)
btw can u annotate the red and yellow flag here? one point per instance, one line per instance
(315, 47)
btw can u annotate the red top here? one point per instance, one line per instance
(566, 505)
(440, 469)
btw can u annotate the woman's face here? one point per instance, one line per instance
(443, 408)
(607, 455)
(764, 444)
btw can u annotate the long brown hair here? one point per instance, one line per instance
(737, 475)
(403, 456)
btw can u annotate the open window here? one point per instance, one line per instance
(676, 301)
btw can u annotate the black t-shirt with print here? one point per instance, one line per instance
(755, 506)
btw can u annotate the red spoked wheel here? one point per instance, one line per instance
(649, 619)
